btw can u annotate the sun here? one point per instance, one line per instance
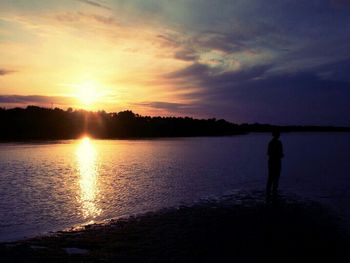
(87, 93)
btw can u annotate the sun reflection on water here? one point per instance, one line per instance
(88, 180)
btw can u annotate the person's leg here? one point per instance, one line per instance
(276, 177)
(275, 184)
(269, 179)
(269, 185)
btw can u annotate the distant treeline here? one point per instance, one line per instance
(36, 123)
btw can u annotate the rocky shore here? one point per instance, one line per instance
(239, 228)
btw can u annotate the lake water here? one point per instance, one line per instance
(50, 186)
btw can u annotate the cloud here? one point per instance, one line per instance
(258, 94)
(96, 4)
(292, 33)
(36, 99)
(224, 43)
(192, 72)
(186, 55)
(210, 77)
(339, 3)
(4, 72)
(169, 40)
(82, 16)
(170, 106)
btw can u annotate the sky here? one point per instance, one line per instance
(278, 61)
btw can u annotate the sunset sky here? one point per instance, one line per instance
(278, 61)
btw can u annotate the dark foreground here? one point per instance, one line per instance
(247, 230)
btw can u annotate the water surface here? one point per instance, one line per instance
(54, 185)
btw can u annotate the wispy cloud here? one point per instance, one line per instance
(95, 3)
(186, 55)
(6, 71)
(88, 17)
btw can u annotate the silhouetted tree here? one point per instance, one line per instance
(34, 123)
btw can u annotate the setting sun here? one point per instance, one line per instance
(87, 93)
(85, 140)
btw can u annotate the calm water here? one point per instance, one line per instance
(52, 186)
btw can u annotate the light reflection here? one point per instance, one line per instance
(88, 172)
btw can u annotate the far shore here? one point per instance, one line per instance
(236, 228)
(37, 123)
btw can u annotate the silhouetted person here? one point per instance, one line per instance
(275, 153)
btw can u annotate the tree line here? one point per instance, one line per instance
(37, 123)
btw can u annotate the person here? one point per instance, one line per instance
(275, 154)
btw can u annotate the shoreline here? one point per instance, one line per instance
(58, 140)
(241, 227)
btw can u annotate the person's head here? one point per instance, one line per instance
(276, 134)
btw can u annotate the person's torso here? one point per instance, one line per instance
(275, 149)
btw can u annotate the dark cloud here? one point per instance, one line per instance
(210, 78)
(194, 72)
(6, 71)
(96, 4)
(233, 41)
(36, 99)
(222, 42)
(163, 105)
(340, 3)
(190, 47)
(322, 54)
(186, 55)
(257, 94)
(336, 71)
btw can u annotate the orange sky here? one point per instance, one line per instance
(87, 53)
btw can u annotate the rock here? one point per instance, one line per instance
(37, 247)
(75, 251)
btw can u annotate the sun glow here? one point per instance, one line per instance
(88, 93)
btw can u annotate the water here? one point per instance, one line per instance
(54, 185)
